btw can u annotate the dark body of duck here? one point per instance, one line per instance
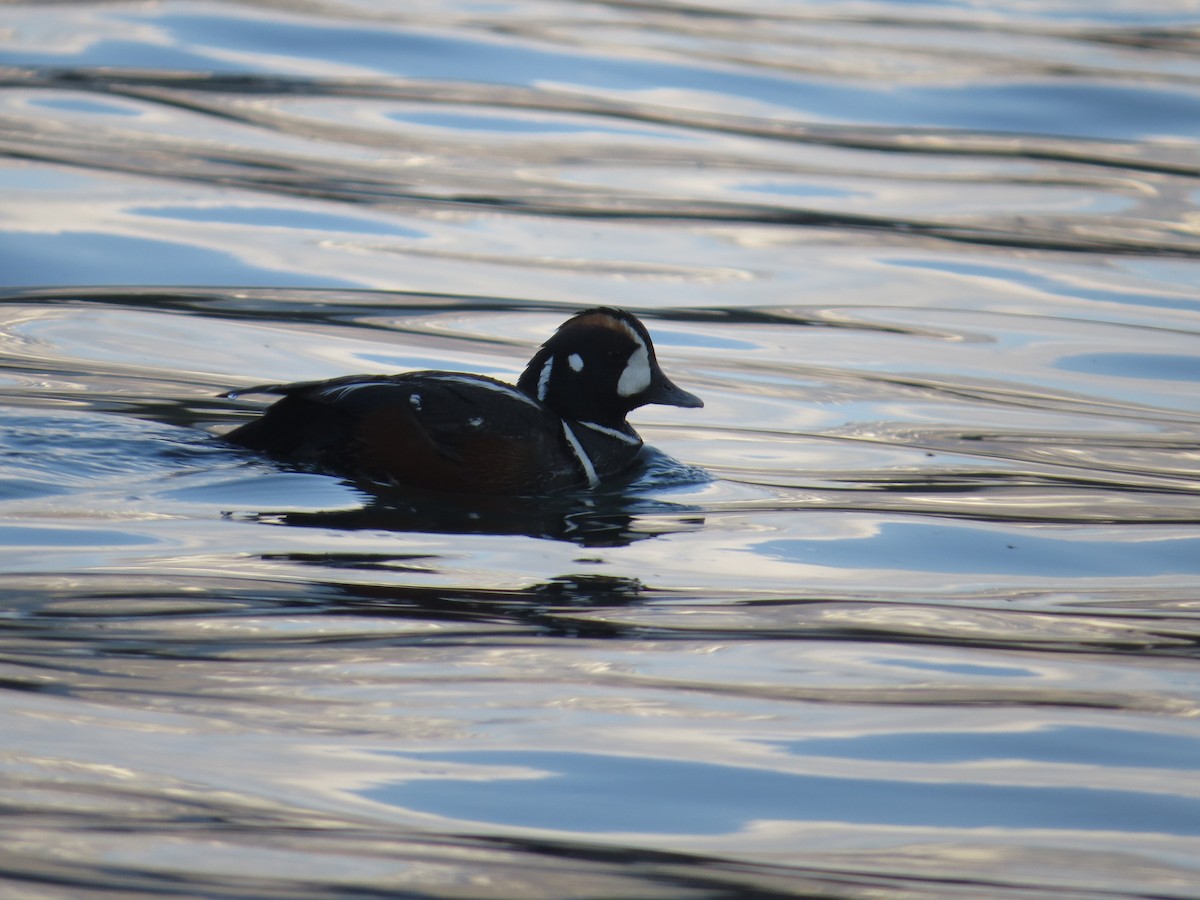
(562, 426)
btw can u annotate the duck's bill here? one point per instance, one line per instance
(667, 394)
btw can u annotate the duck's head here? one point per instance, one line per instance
(599, 365)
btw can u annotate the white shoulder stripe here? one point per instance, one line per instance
(612, 432)
(337, 392)
(497, 386)
(585, 463)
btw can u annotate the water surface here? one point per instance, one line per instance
(910, 608)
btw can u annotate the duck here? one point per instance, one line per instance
(561, 427)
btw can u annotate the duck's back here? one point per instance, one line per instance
(437, 430)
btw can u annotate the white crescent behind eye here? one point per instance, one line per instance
(636, 377)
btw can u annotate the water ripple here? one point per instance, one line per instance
(908, 609)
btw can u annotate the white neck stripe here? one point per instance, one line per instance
(612, 432)
(584, 462)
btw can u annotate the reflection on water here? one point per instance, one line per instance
(909, 609)
(704, 798)
(608, 520)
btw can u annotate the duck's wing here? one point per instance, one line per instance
(439, 430)
(310, 422)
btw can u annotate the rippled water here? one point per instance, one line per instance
(909, 609)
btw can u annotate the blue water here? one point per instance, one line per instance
(706, 799)
(908, 609)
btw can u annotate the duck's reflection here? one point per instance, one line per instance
(541, 609)
(616, 516)
(578, 590)
(593, 520)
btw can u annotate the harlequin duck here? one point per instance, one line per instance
(562, 426)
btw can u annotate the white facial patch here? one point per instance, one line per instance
(575, 361)
(544, 378)
(415, 400)
(636, 377)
